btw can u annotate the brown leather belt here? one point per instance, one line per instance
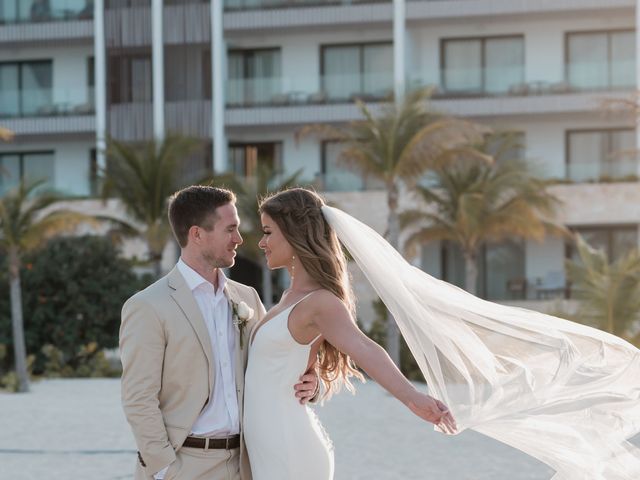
(213, 443)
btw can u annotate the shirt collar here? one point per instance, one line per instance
(194, 279)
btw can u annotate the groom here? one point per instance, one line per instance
(184, 343)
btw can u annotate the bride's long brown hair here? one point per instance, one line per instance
(298, 214)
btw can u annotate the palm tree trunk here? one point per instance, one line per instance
(393, 334)
(17, 324)
(471, 273)
(267, 286)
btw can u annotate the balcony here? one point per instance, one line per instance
(61, 20)
(601, 76)
(305, 90)
(48, 111)
(235, 5)
(47, 102)
(606, 171)
(44, 11)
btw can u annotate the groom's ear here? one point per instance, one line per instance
(194, 235)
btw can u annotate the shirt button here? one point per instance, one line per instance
(220, 334)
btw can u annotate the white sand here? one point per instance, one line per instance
(75, 429)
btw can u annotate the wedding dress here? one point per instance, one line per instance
(564, 393)
(285, 440)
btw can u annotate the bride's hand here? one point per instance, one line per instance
(434, 411)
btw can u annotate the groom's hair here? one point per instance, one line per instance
(196, 205)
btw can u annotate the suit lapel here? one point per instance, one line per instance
(183, 296)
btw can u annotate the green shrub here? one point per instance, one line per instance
(73, 290)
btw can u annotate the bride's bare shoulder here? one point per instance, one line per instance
(326, 302)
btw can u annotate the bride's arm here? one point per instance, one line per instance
(331, 318)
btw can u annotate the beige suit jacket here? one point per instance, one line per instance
(167, 364)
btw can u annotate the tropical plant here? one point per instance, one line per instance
(26, 221)
(249, 191)
(397, 145)
(473, 203)
(73, 291)
(609, 291)
(143, 177)
(5, 134)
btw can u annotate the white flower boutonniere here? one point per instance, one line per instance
(241, 315)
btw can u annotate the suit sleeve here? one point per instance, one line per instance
(142, 346)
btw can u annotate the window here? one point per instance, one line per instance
(244, 158)
(361, 70)
(490, 65)
(27, 166)
(130, 78)
(597, 155)
(601, 60)
(501, 268)
(254, 76)
(616, 241)
(25, 88)
(335, 177)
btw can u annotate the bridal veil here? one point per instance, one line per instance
(564, 393)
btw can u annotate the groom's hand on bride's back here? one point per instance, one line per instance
(308, 388)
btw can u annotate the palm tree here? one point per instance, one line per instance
(5, 134)
(250, 190)
(473, 203)
(24, 225)
(609, 291)
(397, 146)
(143, 177)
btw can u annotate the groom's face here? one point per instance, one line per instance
(218, 244)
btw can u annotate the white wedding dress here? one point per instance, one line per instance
(285, 440)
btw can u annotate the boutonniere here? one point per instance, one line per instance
(241, 315)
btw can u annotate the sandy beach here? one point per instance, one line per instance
(75, 429)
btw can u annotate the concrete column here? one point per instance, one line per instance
(100, 83)
(157, 60)
(218, 75)
(399, 50)
(637, 117)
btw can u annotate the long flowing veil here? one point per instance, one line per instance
(564, 393)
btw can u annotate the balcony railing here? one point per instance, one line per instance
(284, 91)
(480, 82)
(235, 5)
(46, 102)
(605, 171)
(34, 11)
(601, 75)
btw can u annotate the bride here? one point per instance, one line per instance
(315, 318)
(564, 393)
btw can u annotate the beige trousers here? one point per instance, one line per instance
(198, 464)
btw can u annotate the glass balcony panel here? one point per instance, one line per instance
(348, 87)
(264, 4)
(307, 90)
(31, 11)
(46, 102)
(603, 171)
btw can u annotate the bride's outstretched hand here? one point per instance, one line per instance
(434, 411)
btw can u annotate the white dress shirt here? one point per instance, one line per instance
(221, 416)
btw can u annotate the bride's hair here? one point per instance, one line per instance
(298, 214)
